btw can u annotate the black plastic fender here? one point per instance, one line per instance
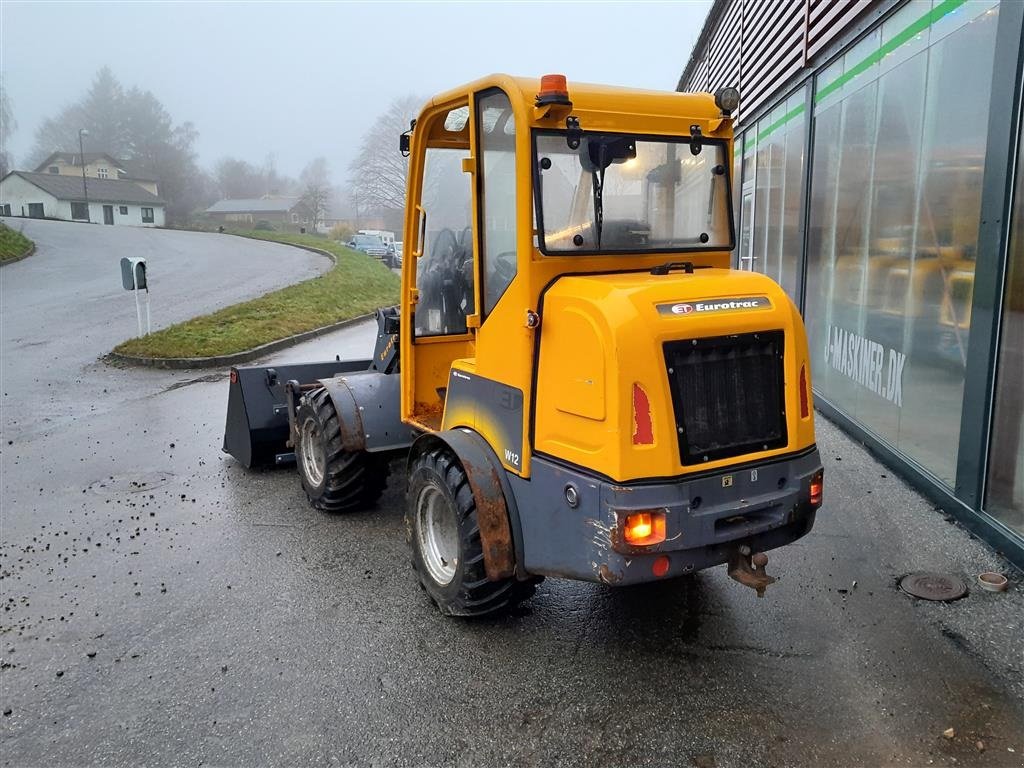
(497, 514)
(257, 431)
(369, 411)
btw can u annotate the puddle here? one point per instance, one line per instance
(137, 482)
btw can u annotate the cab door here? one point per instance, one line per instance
(439, 292)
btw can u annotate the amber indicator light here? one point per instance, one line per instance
(644, 528)
(817, 488)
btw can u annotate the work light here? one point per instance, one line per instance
(727, 99)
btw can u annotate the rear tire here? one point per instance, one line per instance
(447, 554)
(335, 480)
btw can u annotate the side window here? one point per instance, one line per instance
(496, 132)
(444, 273)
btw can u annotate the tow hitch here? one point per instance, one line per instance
(749, 570)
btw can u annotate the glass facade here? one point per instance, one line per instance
(894, 215)
(1005, 499)
(861, 193)
(773, 172)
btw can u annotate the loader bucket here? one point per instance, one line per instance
(256, 433)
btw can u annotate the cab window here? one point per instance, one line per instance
(496, 138)
(444, 273)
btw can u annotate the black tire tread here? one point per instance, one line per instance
(477, 595)
(354, 479)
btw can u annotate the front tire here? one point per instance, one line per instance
(447, 554)
(335, 480)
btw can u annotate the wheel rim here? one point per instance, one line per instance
(438, 534)
(312, 450)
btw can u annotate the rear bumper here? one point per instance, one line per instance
(706, 518)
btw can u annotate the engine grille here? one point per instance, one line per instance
(728, 395)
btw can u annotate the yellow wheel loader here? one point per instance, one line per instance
(582, 386)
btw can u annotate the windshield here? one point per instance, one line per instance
(623, 193)
(369, 240)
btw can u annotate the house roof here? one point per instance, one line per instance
(74, 158)
(100, 190)
(255, 205)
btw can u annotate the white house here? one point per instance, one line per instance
(98, 165)
(58, 196)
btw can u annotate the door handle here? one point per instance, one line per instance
(421, 231)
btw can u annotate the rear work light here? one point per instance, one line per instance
(817, 488)
(641, 529)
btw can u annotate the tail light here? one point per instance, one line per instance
(805, 407)
(644, 528)
(643, 427)
(817, 488)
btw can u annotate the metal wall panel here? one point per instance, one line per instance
(757, 45)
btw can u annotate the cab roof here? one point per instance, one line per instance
(590, 97)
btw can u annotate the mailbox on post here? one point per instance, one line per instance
(133, 273)
(133, 278)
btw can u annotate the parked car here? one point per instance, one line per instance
(371, 245)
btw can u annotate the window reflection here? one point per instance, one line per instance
(444, 273)
(1006, 455)
(893, 225)
(773, 178)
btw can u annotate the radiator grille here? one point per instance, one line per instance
(728, 395)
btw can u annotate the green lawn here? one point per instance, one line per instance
(13, 244)
(358, 284)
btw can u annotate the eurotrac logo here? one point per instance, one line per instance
(704, 306)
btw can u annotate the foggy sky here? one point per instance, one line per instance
(301, 80)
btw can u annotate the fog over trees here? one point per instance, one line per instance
(132, 126)
(377, 175)
(236, 178)
(7, 126)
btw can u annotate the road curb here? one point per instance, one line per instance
(25, 255)
(237, 358)
(312, 249)
(248, 355)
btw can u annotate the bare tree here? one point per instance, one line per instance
(377, 175)
(7, 126)
(316, 189)
(237, 179)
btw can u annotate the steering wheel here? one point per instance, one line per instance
(448, 283)
(504, 268)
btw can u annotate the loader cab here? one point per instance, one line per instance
(501, 202)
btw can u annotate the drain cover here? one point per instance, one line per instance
(933, 586)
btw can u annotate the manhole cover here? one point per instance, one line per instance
(933, 586)
(134, 483)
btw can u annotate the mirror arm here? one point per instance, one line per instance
(696, 144)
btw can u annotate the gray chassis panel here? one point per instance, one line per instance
(367, 403)
(766, 506)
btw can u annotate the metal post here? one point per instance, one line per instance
(138, 309)
(85, 188)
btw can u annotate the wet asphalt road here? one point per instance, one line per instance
(64, 306)
(164, 606)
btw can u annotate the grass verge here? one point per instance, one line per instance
(357, 284)
(13, 244)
